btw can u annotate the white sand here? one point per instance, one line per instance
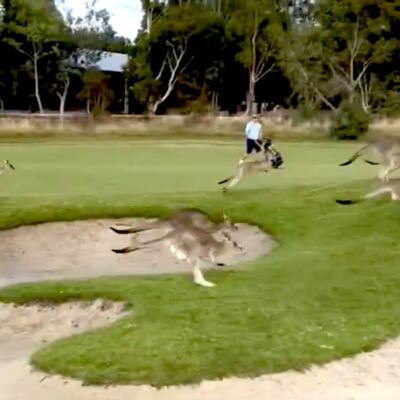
(82, 249)
(369, 376)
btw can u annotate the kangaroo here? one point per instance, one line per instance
(184, 218)
(192, 244)
(393, 188)
(271, 158)
(6, 165)
(388, 149)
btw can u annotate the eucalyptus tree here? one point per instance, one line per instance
(332, 59)
(256, 26)
(179, 38)
(36, 31)
(87, 38)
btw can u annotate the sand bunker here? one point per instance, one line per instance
(82, 249)
(23, 329)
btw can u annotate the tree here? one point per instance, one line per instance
(333, 59)
(62, 83)
(151, 9)
(303, 64)
(171, 35)
(36, 32)
(96, 91)
(58, 78)
(2, 49)
(161, 58)
(255, 24)
(88, 37)
(140, 74)
(355, 40)
(93, 31)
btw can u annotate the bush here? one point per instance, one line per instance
(350, 123)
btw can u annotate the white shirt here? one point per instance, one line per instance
(253, 130)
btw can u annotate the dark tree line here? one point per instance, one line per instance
(210, 55)
(36, 44)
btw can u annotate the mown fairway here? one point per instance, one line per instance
(115, 168)
(331, 289)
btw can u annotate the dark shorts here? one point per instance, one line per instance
(252, 144)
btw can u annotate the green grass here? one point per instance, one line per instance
(331, 289)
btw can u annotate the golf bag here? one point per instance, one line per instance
(273, 155)
(276, 158)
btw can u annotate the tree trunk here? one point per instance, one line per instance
(155, 106)
(163, 98)
(63, 96)
(364, 93)
(171, 85)
(252, 69)
(214, 102)
(250, 100)
(37, 92)
(219, 7)
(173, 59)
(352, 96)
(126, 97)
(149, 19)
(62, 103)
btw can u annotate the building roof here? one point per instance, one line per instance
(105, 61)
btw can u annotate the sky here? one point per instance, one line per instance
(126, 15)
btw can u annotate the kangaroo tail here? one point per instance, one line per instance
(135, 245)
(371, 162)
(128, 249)
(125, 231)
(370, 195)
(224, 181)
(346, 202)
(354, 156)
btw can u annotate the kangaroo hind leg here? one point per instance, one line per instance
(378, 192)
(198, 276)
(236, 179)
(395, 196)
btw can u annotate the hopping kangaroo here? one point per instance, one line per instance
(6, 165)
(189, 243)
(388, 149)
(393, 188)
(185, 218)
(271, 158)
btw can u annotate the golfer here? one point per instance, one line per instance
(253, 132)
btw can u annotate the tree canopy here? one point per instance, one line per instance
(209, 55)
